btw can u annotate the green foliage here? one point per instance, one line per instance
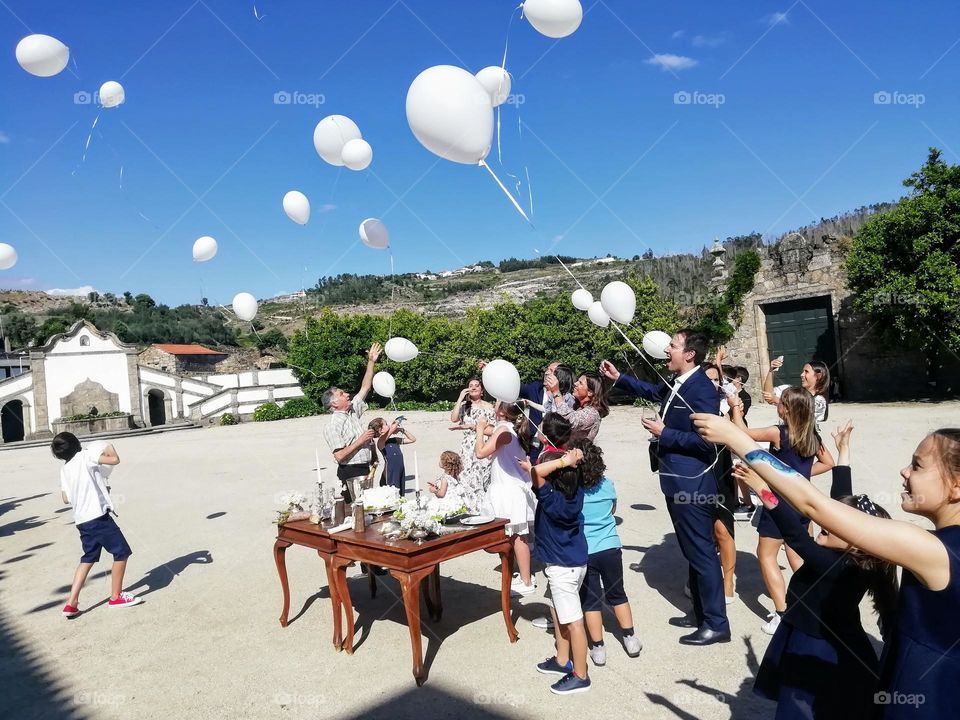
(267, 412)
(82, 418)
(272, 338)
(331, 349)
(513, 265)
(19, 328)
(299, 407)
(904, 265)
(438, 406)
(51, 326)
(723, 313)
(228, 419)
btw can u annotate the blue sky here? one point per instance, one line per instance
(782, 126)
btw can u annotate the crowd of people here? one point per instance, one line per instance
(536, 464)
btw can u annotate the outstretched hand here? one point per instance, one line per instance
(841, 436)
(609, 370)
(719, 430)
(373, 354)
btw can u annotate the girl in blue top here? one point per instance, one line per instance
(604, 578)
(920, 669)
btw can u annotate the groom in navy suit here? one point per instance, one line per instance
(686, 465)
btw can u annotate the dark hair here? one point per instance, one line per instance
(377, 425)
(592, 466)
(512, 413)
(64, 446)
(597, 388)
(822, 372)
(711, 366)
(947, 443)
(800, 419)
(565, 378)
(742, 373)
(556, 429)
(565, 480)
(881, 575)
(467, 402)
(695, 341)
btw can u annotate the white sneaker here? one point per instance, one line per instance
(517, 586)
(542, 622)
(632, 645)
(770, 627)
(598, 653)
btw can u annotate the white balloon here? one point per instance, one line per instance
(619, 301)
(554, 18)
(297, 207)
(331, 134)
(496, 81)
(400, 349)
(597, 314)
(8, 256)
(245, 306)
(112, 94)
(204, 248)
(449, 112)
(581, 299)
(655, 344)
(374, 234)
(501, 379)
(42, 55)
(384, 384)
(778, 390)
(357, 154)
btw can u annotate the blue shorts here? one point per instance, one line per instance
(102, 533)
(603, 581)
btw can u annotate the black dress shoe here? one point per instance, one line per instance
(705, 636)
(684, 621)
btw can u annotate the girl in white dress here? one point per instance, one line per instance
(510, 494)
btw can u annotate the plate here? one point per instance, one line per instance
(477, 520)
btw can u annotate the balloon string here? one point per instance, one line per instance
(529, 189)
(499, 150)
(506, 192)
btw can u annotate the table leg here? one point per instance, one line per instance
(506, 566)
(431, 594)
(410, 586)
(334, 598)
(279, 556)
(372, 581)
(346, 604)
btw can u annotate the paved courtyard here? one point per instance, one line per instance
(196, 506)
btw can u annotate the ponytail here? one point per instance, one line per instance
(513, 414)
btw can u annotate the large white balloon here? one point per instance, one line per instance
(496, 81)
(331, 134)
(245, 306)
(357, 154)
(384, 384)
(581, 299)
(297, 207)
(554, 18)
(449, 112)
(655, 344)
(400, 349)
(597, 314)
(374, 234)
(204, 248)
(8, 256)
(501, 379)
(42, 55)
(619, 301)
(112, 94)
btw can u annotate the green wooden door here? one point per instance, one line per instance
(801, 331)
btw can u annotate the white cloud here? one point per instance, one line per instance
(71, 292)
(778, 18)
(557, 238)
(4, 138)
(669, 62)
(709, 40)
(678, 34)
(326, 207)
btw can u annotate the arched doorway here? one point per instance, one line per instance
(157, 411)
(11, 421)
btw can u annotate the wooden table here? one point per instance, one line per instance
(407, 561)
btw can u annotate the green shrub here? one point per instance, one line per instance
(228, 419)
(299, 407)
(267, 412)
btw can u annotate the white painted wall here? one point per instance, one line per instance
(196, 388)
(69, 363)
(279, 376)
(15, 386)
(157, 378)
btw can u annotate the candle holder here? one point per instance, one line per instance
(418, 500)
(417, 535)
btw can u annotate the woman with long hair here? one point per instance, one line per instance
(467, 411)
(591, 396)
(814, 378)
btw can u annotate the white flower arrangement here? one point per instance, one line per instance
(295, 509)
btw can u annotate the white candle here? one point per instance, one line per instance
(416, 471)
(319, 479)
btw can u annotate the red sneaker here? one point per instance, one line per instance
(69, 611)
(124, 600)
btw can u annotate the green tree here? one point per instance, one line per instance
(272, 338)
(904, 265)
(20, 329)
(51, 326)
(144, 301)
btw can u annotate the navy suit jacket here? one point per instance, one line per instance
(533, 392)
(681, 450)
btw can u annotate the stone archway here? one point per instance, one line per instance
(12, 422)
(156, 407)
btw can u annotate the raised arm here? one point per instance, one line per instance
(768, 382)
(109, 456)
(769, 434)
(895, 541)
(642, 389)
(408, 437)
(456, 414)
(372, 355)
(539, 473)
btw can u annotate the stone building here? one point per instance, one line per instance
(801, 308)
(174, 358)
(86, 381)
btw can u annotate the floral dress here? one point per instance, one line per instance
(475, 476)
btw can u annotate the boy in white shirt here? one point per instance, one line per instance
(82, 485)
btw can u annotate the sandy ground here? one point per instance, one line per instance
(196, 507)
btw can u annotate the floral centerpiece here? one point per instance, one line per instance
(426, 516)
(295, 509)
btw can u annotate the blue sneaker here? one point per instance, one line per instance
(569, 684)
(550, 666)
